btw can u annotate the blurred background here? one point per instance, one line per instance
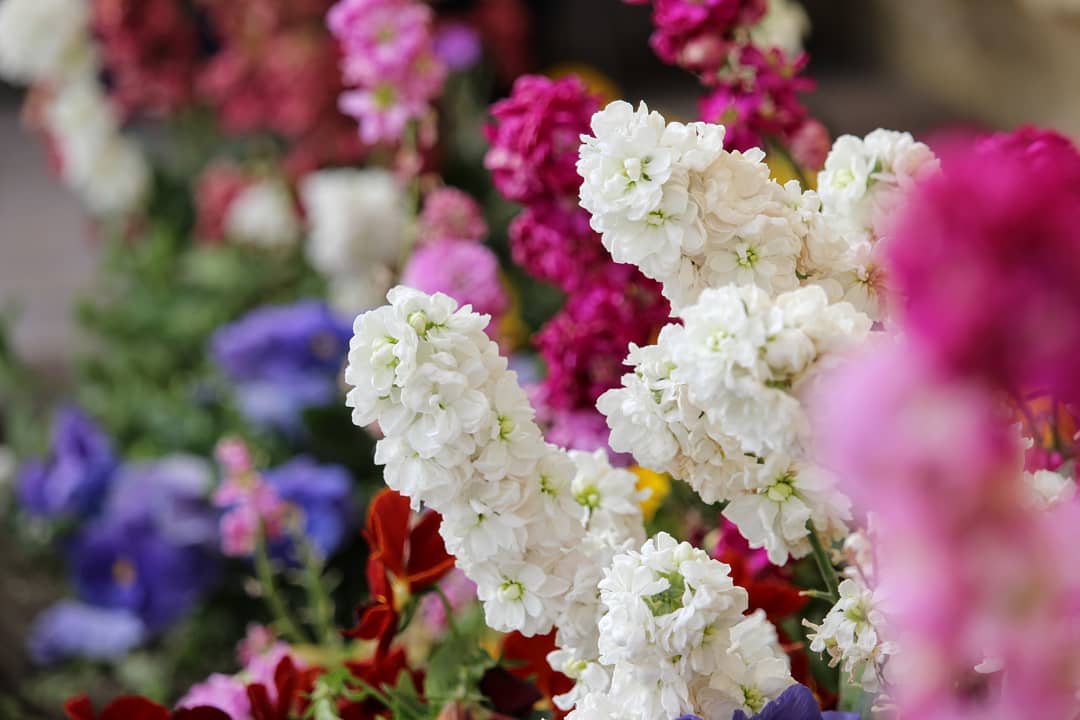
(926, 66)
(917, 65)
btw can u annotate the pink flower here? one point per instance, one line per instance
(458, 589)
(584, 429)
(467, 272)
(585, 344)
(224, 692)
(251, 505)
(810, 145)
(985, 262)
(150, 49)
(535, 138)
(257, 640)
(684, 27)
(552, 241)
(451, 214)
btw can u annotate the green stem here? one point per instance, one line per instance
(824, 564)
(322, 611)
(410, 144)
(264, 571)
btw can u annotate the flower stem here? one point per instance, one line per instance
(825, 566)
(322, 611)
(264, 571)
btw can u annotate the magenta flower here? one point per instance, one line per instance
(553, 242)
(986, 259)
(467, 272)
(683, 27)
(535, 138)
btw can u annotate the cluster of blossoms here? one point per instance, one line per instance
(389, 62)
(460, 438)
(534, 140)
(749, 53)
(668, 198)
(718, 402)
(49, 45)
(539, 529)
(854, 635)
(452, 259)
(971, 553)
(674, 639)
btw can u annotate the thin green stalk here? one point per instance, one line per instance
(322, 611)
(824, 564)
(264, 572)
(410, 144)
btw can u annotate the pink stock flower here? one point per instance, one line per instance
(467, 272)
(451, 214)
(683, 27)
(985, 262)
(251, 505)
(258, 639)
(458, 589)
(388, 59)
(553, 242)
(810, 145)
(150, 49)
(535, 138)
(585, 344)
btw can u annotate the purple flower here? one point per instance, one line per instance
(75, 475)
(319, 497)
(795, 703)
(71, 629)
(458, 46)
(283, 359)
(149, 553)
(467, 272)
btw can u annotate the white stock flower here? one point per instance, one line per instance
(754, 670)
(357, 226)
(853, 634)
(1047, 488)
(780, 497)
(608, 496)
(41, 40)
(516, 595)
(264, 215)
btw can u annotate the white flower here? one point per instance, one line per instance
(853, 635)
(1047, 488)
(784, 26)
(755, 670)
(625, 165)
(357, 225)
(865, 180)
(608, 496)
(781, 497)
(42, 39)
(120, 178)
(516, 596)
(263, 215)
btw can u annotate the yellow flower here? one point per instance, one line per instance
(660, 485)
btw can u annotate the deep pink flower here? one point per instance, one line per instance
(684, 27)
(985, 262)
(451, 214)
(535, 138)
(553, 242)
(585, 344)
(810, 145)
(467, 272)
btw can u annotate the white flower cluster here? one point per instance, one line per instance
(716, 403)
(668, 198)
(854, 634)
(864, 183)
(48, 42)
(357, 229)
(532, 525)
(674, 640)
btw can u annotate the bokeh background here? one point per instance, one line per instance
(919, 65)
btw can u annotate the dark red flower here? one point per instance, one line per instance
(405, 559)
(131, 707)
(291, 686)
(379, 673)
(526, 657)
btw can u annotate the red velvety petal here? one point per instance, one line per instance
(387, 529)
(79, 708)
(428, 559)
(131, 707)
(377, 621)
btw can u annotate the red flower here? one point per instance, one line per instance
(379, 672)
(131, 707)
(404, 560)
(526, 658)
(292, 687)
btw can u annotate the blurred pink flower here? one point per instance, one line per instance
(467, 272)
(553, 242)
(451, 214)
